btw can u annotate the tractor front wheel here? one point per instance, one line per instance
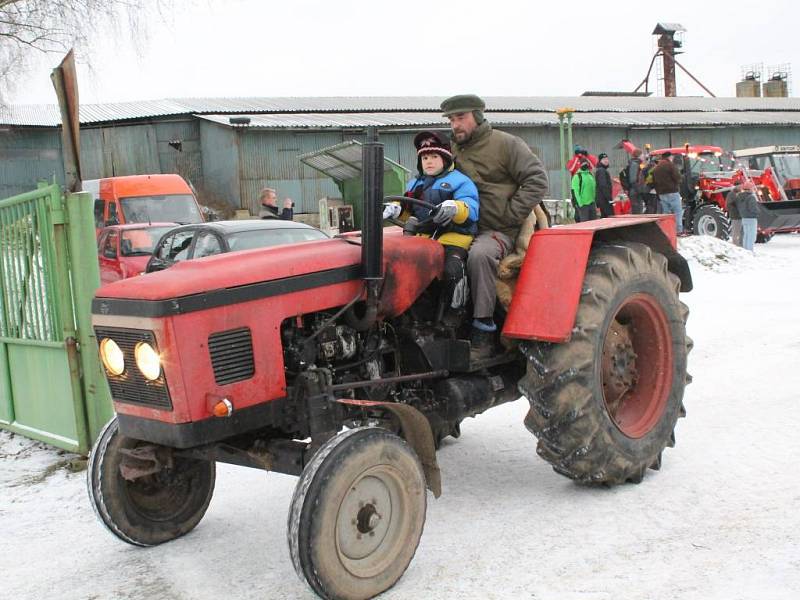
(153, 508)
(357, 514)
(710, 219)
(604, 404)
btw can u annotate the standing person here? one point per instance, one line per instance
(511, 180)
(735, 217)
(269, 206)
(667, 182)
(603, 194)
(636, 188)
(455, 224)
(583, 189)
(747, 203)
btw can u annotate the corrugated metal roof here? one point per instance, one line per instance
(47, 115)
(606, 119)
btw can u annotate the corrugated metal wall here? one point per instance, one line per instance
(29, 155)
(229, 165)
(220, 165)
(270, 159)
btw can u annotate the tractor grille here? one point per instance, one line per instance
(232, 355)
(132, 387)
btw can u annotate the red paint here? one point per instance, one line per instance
(549, 286)
(121, 266)
(410, 263)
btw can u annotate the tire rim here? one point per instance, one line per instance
(707, 225)
(639, 335)
(372, 523)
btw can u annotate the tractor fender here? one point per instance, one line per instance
(548, 290)
(416, 432)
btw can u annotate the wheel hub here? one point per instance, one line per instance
(707, 225)
(365, 517)
(619, 365)
(636, 365)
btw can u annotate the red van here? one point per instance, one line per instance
(143, 199)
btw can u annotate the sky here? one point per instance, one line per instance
(244, 48)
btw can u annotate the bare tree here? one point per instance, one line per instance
(31, 27)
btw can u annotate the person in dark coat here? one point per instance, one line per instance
(667, 181)
(746, 202)
(637, 191)
(269, 206)
(603, 186)
(735, 217)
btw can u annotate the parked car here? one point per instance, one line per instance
(143, 199)
(124, 250)
(206, 239)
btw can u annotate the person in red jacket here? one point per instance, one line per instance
(581, 154)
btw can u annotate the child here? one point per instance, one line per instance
(583, 190)
(455, 224)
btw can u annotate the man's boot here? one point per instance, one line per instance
(482, 343)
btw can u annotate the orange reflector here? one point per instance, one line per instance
(223, 408)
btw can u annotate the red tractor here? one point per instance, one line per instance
(331, 360)
(710, 174)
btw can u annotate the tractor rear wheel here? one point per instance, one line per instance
(604, 404)
(151, 509)
(357, 514)
(710, 219)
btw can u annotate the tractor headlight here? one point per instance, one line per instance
(112, 357)
(148, 361)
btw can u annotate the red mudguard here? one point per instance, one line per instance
(549, 286)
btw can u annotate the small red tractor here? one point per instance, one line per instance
(710, 174)
(330, 360)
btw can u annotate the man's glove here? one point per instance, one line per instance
(391, 211)
(447, 210)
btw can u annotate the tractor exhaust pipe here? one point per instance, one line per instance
(362, 318)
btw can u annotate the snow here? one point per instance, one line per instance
(719, 521)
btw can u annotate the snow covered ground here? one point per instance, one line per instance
(721, 520)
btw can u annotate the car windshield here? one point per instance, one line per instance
(140, 242)
(787, 165)
(177, 208)
(261, 238)
(706, 162)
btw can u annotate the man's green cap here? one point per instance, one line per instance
(462, 103)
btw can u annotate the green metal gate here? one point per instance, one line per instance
(51, 386)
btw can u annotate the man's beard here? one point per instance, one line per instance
(461, 136)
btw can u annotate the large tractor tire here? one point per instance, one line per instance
(357, 514)
(710, 219)
(151, 509)
(604, 404)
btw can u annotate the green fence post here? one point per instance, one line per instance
(85, 281)
(63, 285)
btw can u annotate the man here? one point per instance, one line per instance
(735, 217)
(637, 191)
(667, 183)
(746, 202)
(511, 180)
(269, 206)
(603, 194)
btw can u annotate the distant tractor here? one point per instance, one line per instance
(710, 174)
(333, 360)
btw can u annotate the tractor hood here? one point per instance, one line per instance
(410, 264)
